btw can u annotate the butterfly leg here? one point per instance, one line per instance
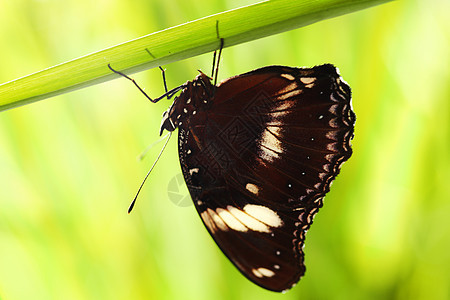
(162, 70)
(164, 79)
(135, 83)
(215, 64)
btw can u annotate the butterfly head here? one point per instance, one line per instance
(194, 97)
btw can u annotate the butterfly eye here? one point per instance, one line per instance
(166, 123)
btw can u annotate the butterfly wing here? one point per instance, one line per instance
(260, 158)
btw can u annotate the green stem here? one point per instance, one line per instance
(176, 43)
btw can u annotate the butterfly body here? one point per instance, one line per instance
(258, 153)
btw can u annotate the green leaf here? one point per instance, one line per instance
(176, 43)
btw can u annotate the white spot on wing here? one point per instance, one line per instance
(252, 188)
(263, 272)
(208, 220)
(266, 272)
(271, 146)
(263, 214)
(307, 80)
(247, 220)
(230, 220)
(193, 170)
(332, 97)
(289, 94)
(257, 273)
(217, 220)
(288, 76)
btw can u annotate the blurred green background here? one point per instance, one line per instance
(68, 167)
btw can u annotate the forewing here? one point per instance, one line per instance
(259, 160)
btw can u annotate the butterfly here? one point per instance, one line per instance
(258, 153)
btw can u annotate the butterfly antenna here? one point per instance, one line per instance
(148, 173)
(135, 83)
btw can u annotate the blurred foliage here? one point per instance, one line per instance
(69, 169)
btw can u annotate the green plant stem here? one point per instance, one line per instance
(176, 43)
